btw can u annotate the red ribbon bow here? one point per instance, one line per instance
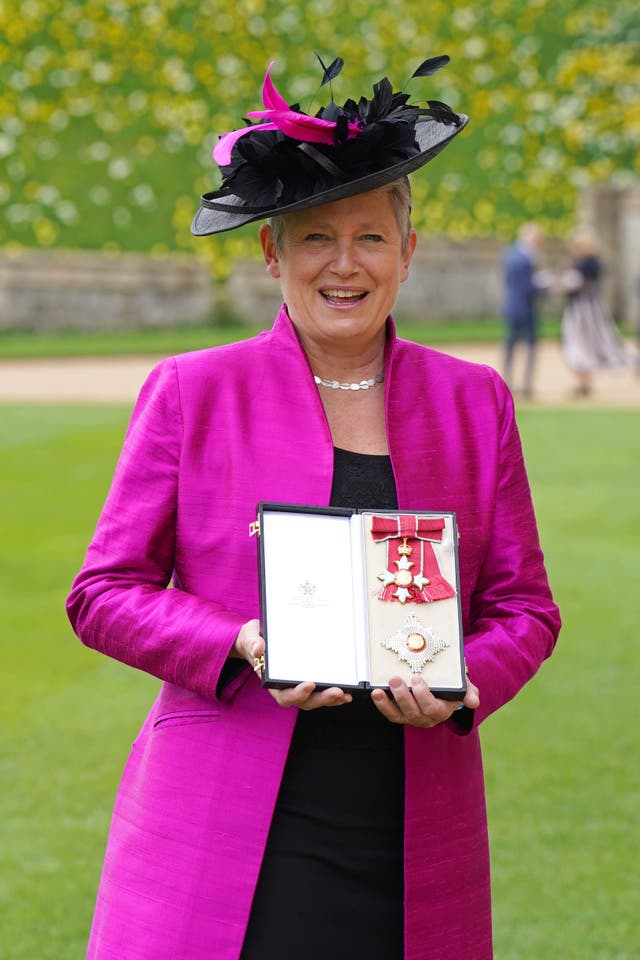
(407, 525)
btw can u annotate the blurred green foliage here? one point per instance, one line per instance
(109, 109)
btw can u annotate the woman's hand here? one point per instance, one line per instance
(250, 645)
(418, 707)
(306, 697)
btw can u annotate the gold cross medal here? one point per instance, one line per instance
(403, 578)
(415, 643)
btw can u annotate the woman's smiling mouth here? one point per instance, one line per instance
(343, 298)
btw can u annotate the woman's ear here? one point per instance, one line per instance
(269, 251)
(408, 254)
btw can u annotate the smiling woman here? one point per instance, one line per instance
(340, 266)
(312, 820)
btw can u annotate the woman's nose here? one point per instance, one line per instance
(344, 260)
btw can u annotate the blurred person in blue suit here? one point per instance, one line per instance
(523, 286)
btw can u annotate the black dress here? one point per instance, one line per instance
(331, 883)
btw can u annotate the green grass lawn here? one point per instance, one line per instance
(180, 338)
(561, 762)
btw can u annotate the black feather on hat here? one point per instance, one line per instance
(289, 160)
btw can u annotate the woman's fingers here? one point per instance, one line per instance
(417, 706)
(306, 697)
(249, 645)
(387, 706)
(333, 697)
(472, 696)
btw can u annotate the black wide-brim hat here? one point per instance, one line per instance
(271, 174)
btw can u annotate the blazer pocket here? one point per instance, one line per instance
(182, 718)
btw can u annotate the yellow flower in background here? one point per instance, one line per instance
(45, 230)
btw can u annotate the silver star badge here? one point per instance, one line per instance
(415, 643)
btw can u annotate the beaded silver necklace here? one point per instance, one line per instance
(362, 385)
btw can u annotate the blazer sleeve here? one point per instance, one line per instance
(514, 622)
(121, 603)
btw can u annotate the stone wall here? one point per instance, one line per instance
(253, 294)
(84, 290)
(450, 279)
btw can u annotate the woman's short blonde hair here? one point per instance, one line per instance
(399, 196)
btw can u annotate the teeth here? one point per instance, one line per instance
(342, 294)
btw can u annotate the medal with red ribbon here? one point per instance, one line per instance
(415, 580)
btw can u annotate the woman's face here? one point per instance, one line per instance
(340, 266)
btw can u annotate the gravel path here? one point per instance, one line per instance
(118, 379)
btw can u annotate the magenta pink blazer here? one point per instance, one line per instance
(213, 433)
